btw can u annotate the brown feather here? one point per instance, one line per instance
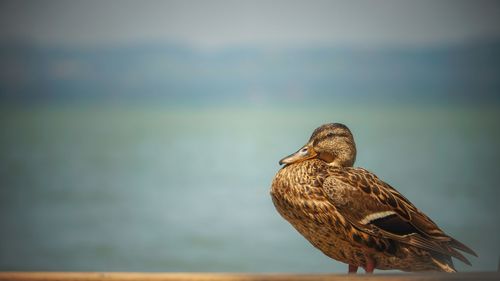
(353, 216)
(355, 201)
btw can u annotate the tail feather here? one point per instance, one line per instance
(461, 246)
(458, 255)
(444, 263)
(444, 266)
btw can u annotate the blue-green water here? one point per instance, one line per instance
(159, 188)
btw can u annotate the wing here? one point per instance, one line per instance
(375, 208)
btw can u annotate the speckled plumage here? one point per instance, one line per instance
(354, 217)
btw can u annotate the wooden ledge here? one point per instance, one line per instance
(135, 276)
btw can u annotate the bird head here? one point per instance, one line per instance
(332, 143)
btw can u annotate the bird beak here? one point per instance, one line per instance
(306, 152)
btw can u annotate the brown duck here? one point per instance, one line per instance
(354, 217)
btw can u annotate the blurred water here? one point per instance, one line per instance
(157, 188)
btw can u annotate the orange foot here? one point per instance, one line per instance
(370, 265)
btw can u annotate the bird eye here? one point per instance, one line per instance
(303, 150)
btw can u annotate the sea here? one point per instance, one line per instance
(171, 188)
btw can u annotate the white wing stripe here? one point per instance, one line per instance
(371, 217)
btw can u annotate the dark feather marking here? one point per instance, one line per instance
(366, 188)
(392, 201)
(392, 248)
(380, 247)
(394, 224)
(403, 213)
(356, 238)
(370, 242)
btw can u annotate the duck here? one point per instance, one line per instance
(354, 217)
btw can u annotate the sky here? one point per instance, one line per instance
(214, 24)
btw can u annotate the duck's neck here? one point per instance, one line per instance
(345, 157)
(339, 164)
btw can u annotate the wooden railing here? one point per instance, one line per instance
(129, 276)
